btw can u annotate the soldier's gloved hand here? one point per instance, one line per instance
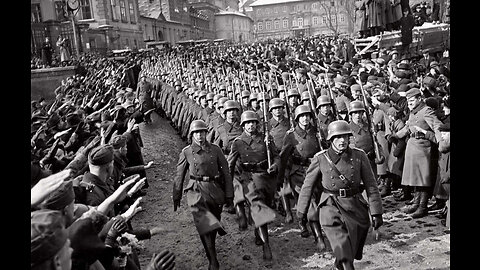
(272, 169)
(377, 221)
(118, 227)
(165, 260)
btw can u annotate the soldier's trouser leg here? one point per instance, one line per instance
(317, 233)
(208, 241)
(287, 208)
(242, 217)
(263, 232)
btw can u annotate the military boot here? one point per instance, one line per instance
(386, 188)
(405, 195)
(258, 240)
(416, 202)
(263, 233)
(288, 210)
(242, 218)
(421, 211)
(317, 233)
(303, 228)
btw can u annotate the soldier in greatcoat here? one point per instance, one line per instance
(344, 213)
(209, 187)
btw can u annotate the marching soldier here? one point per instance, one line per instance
(230, 129)
(299, 146)
(210, 186)
(344, 214)
(217, 119)
(252, 102)
(255, 184)
(293, 99)
(361, 135)
(325, 115)
(245, 100)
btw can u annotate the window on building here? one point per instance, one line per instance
(36, 13)
(59, 11)
(276, 24)
(299, 7)
(123, 11)
(135, 44)
(127, 43)
(267, 11)
(259, 11)
(285, 23)
(300, 22)
(113, 5)
(294, 22)
(324, 19)
(342, 2)
(314, 6)
(315, 20)
(260, 26)
(268, 25)
(342, 18)
(332, 3)
(275, 10)
(131, 11)
(85, 10)
(284, 8)
(334, 19)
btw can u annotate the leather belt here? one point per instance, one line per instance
(254, 167)
(205, 178)
(343, 192)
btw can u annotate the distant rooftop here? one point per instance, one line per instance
(272, 2)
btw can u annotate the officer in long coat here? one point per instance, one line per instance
(343, 211)
(209, 187)
(145, 98)
(254, 184)
(420, 167)
(299, 146)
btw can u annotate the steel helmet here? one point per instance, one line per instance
(263, 97)
(253, 96)
(245, 94)
(292, 92)
(305, 95)
(222, 87)
(221, 101)
(202, 94)
(356, 106)
(210, 96)
(276, 103)
(178, 83)
(302, 109)
(230, 105)
(339, 127)
(248, 116)
(216, 98)
(281, 88)
(323, 100)
(197, 125)
(229, 88)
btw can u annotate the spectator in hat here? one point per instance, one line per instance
(419, 169)
(49, 246)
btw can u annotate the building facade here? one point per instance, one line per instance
(234, 26)
(99, 25)
(275, 19)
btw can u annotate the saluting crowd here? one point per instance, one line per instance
(303, 129)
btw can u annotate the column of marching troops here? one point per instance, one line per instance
(264, 137)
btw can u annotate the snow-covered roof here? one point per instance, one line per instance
(272, 2)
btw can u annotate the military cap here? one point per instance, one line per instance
(432, 102)
(84, 240)
(401, 74)
(118, 141)
(445, 127)
(61, 197)
(101, 155)
(429, 81)
(413, 92)
(403, 66)
(393, 52)
(434, 64)
(48, 235)
(221, 101)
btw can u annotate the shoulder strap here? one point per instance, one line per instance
(330, 162)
